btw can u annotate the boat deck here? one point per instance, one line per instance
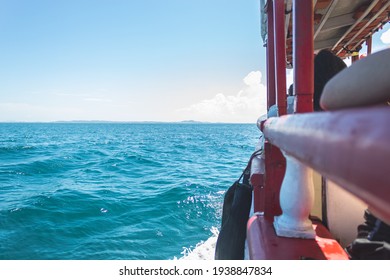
(264, 244)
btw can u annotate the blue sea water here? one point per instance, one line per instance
(115, 190)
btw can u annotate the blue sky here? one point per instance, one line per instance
(131, 60)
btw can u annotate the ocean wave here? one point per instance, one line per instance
(42, 167)
(9, 150)
(115, 191)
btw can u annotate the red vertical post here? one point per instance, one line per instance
(271, 95)
(280, 56)
(259, 192)
(275, 162)
(275, 168)
(369, 45)
(257, 181)
(303, 50)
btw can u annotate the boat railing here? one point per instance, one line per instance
(349, 146)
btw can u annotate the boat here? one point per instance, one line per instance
(320, 171)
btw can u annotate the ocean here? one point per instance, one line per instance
(102, 191)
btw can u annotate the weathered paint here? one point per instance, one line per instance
(257, 176)
(369, 45)
(264, 244)
(303, 49)
(275, 166)
(270, 57)
(280, 56)
(296, 201)
(350, 147)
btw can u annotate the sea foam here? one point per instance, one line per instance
(204, 250)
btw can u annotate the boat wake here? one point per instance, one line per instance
(204, 250)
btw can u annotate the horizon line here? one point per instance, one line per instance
(110, 121)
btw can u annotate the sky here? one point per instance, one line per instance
(133, 60)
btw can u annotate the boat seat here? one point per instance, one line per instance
(264, 244)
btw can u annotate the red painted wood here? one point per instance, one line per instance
(267, 199)
(303, 59)
(264, 244)
(275, 167)
(257, 181)
(280, 56)
(350, 147)
(369, 45)
(270, 53)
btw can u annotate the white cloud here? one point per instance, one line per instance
(385, 37)
(246, 106)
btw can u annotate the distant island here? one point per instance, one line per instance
(152, 122)
(192, 121)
